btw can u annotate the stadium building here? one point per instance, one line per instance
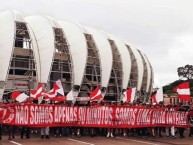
(40, 49)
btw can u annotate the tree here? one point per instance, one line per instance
(185, 72)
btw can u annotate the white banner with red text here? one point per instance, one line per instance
(100, 116)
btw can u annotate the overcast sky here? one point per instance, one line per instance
(162, 29)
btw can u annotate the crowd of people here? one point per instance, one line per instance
(47, 132)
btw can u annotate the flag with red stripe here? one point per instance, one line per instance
(60, 89)
(183, 91)
(15, 94)
(35, 94)
(96, 94)
(158, 96)
(129, 95)
(52, 93)
(56, 92)
(59, 98)
(18, 96)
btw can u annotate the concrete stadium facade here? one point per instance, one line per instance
(40, 49)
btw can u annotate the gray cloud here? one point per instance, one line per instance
(162, 29)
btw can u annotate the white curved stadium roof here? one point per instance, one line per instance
(44, 35)
(78, 48)
(43, 41)
(7, 27)
(125, 58)
(139, 66)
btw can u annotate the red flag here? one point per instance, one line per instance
(56, 93)
(154, 99)
(15, 94)
(59, 98)
(183, 91)
(52, 93)
(96, 94)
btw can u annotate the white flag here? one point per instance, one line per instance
(22, 97)
(70, 96)
(129, 95)
(60, 90)
(158, 97)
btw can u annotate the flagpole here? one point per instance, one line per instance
(29, 84)
(30, 70)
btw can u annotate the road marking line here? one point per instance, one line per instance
(15, 143)
(80, 141)
(138, 141)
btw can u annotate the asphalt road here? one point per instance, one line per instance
(98, 141)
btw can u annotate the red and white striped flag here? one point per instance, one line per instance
(52, 93)
(158, 96)
(60, 89)
(15, 94)
(96, 94)
(183, 91)
(18, 96)
(129, 95)
(57, 91)
(35, 94)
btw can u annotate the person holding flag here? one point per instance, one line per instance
(55, 94)
(128, 96)
(95, 95)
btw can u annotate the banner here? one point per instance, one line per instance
(100, 116)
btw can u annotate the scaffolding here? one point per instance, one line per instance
(62, 63)
(92, 73)
(144, 80)
(150, 89)
(114, 88)
(22, 68)
(134, 70)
